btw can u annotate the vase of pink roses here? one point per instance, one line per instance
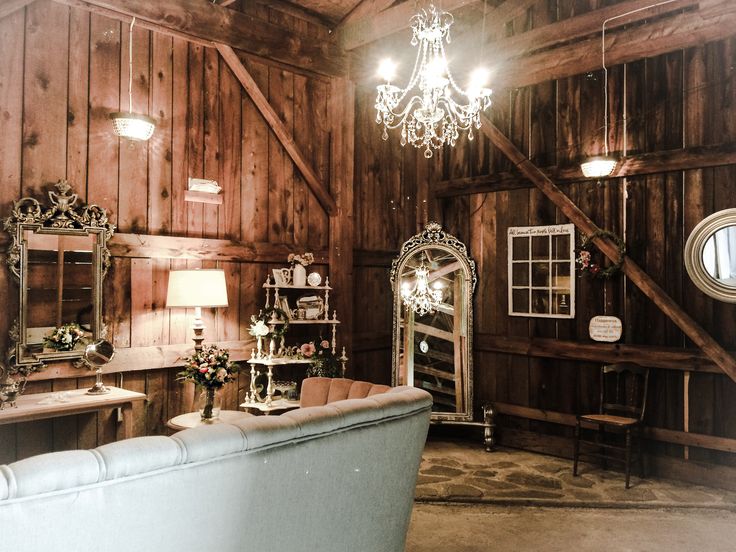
(209, 369)
(325, 363)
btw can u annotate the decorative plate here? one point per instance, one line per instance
(314, 279)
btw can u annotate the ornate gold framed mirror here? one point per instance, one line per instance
(59, 257)
(710, 255)
(433, 281)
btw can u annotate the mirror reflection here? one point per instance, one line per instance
(433, 328)
(59, 286)
(433, 282)
(719, 256)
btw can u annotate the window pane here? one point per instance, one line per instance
(540, 274)
(520, 300)
(521, 248)
(520, 274)
(561, 246)
(540, 301)
(540, 247)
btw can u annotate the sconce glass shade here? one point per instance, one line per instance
(598, 167)
(132, 126)
(197, 288)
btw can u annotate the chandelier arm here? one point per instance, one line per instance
(421, 53)
(449, 74)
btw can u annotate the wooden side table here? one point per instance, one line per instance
(41, 406)
(194, 419)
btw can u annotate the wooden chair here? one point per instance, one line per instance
(622, 404)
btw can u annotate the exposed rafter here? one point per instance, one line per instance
(696, 157)
(364, 11)
(279, 129)
(366, 30)
(204, 21)
(634, 273)
(11, 6)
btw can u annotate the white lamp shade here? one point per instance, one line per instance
(197, 288)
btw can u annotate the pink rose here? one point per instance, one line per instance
(204, 370)
(307, 349)
(325, 344)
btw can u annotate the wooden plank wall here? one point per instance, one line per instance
(676, 100)
(62, 71)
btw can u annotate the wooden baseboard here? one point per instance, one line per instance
(696, 473)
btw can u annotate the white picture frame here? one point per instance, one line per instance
(541, 271)
(280, 277)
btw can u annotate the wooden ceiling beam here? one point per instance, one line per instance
(279, 129)
(633, 272)
(696, 157)
(366, 30)
(364, 10)
(12, 6)
(204, 21)
(587, 24)
(715, 20)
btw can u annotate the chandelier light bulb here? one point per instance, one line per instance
(425, 109)
(387, 70)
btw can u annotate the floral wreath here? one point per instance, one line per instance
(265, 317)
(585, 256)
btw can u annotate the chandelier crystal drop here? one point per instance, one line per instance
(422, 298)
(426, 111)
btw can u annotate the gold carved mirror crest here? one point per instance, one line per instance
(58, 254)
(433, 281)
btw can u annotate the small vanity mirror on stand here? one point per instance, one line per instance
(59, 257)
(98, 354)
(433, 280)
(710, 255)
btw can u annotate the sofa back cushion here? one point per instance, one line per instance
(322, 391)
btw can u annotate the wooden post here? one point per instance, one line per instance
(633, 271)
(342, 118)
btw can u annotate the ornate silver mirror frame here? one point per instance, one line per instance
(702, 254)
(435, 239)
(63, 217)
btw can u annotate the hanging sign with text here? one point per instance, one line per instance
(605, 328)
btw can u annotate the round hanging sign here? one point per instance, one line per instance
(605, 328)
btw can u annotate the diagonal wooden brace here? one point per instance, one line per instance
(278, 128)
(634, 272)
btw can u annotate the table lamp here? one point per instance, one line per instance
(196, 289)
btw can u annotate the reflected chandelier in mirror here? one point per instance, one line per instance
(59, 256)
(433, 281)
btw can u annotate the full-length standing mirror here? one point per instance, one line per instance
(59, 256)
(433, 281)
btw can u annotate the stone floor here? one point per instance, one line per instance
(509, 500)
(464, 472)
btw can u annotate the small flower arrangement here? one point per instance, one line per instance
(585, 256)
(210, 367)
(305, 259)
(64, 338)
(325, 363)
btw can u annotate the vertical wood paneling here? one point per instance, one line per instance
(45, 95)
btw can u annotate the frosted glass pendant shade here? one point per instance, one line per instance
(598, 167)
(132, 126)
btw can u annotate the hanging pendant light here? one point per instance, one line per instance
(601, 166)
(425, 109)
(129, 125)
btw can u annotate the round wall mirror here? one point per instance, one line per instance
(710, 255)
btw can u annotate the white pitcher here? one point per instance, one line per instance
(299, 275)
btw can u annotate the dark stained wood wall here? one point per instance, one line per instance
(62, 71)
(680, 99)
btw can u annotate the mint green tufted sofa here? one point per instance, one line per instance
(336, 477)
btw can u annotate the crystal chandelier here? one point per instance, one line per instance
(430, 117)
(422, 299)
